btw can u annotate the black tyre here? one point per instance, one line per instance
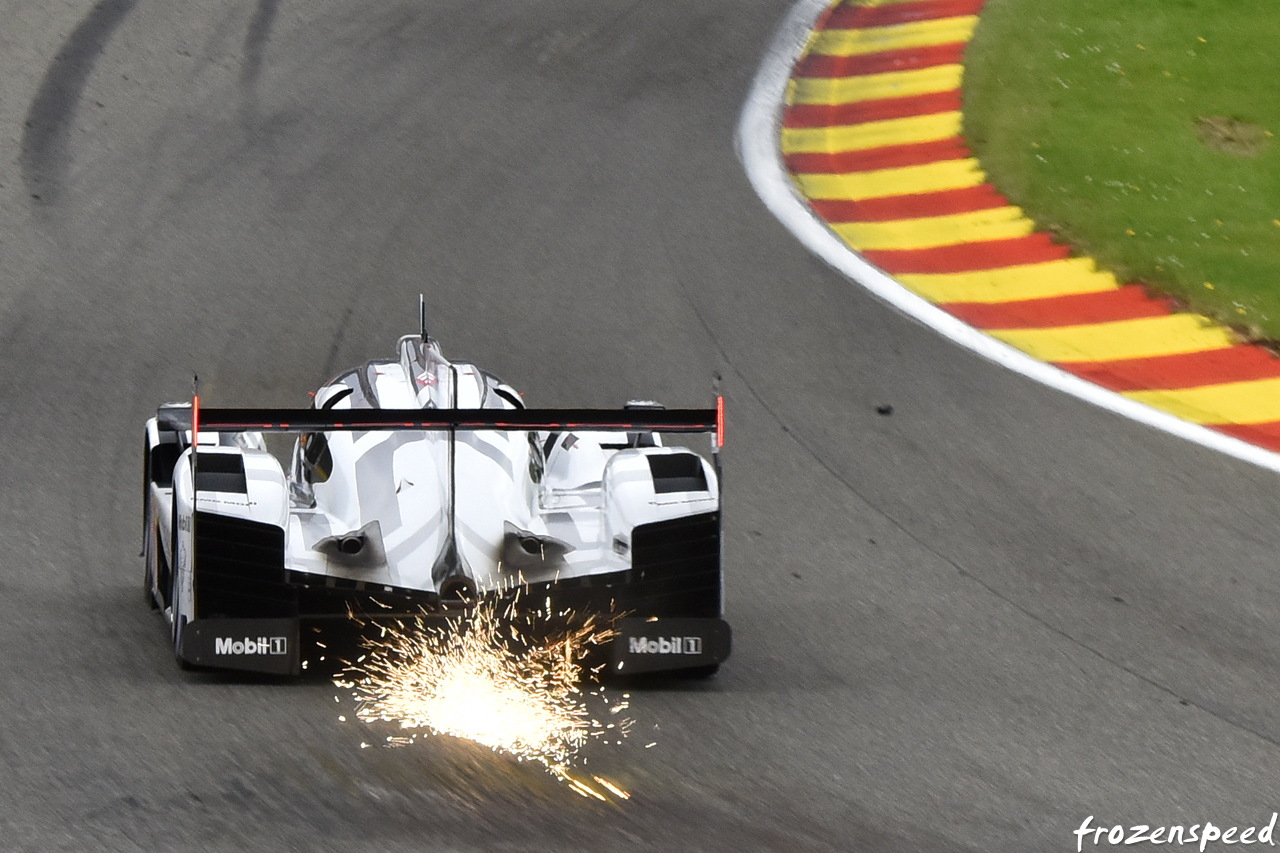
(148, 571)
(175, 603)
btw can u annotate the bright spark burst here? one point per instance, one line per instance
(486, 679)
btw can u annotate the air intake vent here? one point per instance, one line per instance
(677, 472)
(221, 472)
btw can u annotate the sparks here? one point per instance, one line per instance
(586, 790)
(485, 680)
(617, 792)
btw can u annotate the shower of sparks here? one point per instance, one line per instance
(487, 679)
(614, 789)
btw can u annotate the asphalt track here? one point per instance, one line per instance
(965, 625)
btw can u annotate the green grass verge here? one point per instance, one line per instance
(1088, 114)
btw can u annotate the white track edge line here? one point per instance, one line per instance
(757, 140)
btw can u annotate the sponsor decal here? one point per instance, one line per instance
(251, 646)
(665, 646)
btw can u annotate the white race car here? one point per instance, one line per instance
(414, 485)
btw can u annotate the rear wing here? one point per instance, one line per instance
(197, 418)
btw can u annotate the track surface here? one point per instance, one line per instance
(963, 626)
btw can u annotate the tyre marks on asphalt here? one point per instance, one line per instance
(872, 137)
(45, 154)
(45, 146)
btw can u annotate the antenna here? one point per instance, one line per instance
(422, 317)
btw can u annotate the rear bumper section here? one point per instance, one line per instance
(254, 615)
(655, 645)
(281, 646)
(252, 645)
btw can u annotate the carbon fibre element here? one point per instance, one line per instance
(313, 420)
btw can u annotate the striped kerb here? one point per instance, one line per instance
(872, 136)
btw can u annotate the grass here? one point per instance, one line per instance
(1141, 133)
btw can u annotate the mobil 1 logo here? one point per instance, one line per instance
(664, 646)
(256, 645)
(649, 645)
(251, 646)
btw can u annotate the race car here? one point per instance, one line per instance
(416, 486)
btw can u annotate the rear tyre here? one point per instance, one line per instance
(180, 624)
(179, 627)
(148, 570)
(175, 606)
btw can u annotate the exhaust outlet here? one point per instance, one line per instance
(457, 591)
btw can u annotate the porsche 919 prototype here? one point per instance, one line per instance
(416, 486)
